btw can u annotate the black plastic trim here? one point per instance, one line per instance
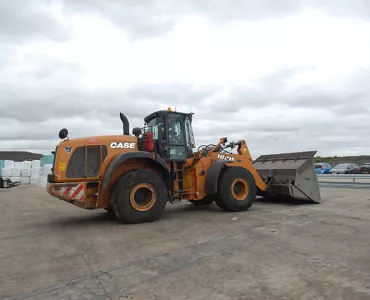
(213, 174)
(55, 156)
(50, 178)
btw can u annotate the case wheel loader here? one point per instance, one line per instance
(134, 176)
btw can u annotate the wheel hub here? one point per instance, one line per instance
(239, 189)
(143, 197)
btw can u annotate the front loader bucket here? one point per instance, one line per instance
(290, 175)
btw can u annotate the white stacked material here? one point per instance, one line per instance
(8, 164)
(15, 178)
(6, 173)
(18, 165)
(35, 173)
(25, 172)
(15, 172)
(25, 180)
(46, 169)
(34, 181)
(43, 180)
(18, 171)
(35, 164)
(26, 164)
(35, 176)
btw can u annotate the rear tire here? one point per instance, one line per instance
(236, 189)
(207, 200)
(139, 196)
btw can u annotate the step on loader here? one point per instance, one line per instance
(134, 176)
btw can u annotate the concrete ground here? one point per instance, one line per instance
(50, 249)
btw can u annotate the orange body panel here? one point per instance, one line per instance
(194, 171)
(195, 182)
(92, 199)
(61, 160)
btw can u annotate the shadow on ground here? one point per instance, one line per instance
(288, 201)
(173, 211)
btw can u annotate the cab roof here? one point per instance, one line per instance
(161, 113)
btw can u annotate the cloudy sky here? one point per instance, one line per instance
(285, 75)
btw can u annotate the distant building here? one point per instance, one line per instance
(19, 155)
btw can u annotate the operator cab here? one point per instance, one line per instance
(169, 134)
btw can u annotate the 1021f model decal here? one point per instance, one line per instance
(225, 157)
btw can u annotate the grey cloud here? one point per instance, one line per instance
(22, 20)
(57, 102)
(53, 89)
(149, 18)
(329, 122)
(48, 130)
(6, 54)
(38, 102)
(345, 8)
(65, 103)
(141, 18)
(44, 67)
(347, 100)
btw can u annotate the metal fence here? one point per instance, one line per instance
(335, 162)
(344, 175)
(345, 178)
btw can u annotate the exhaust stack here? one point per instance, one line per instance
(126, 124)
(290, 175)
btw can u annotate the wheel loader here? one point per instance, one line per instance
(134, 176)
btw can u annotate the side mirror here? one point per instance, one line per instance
(63, 133)
(136, 131)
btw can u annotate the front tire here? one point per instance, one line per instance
(139, 196)
(236, 189)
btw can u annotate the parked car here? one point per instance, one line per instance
(364, 169)
(322, 168)
(347, 168)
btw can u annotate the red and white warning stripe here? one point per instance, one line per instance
(74, 193)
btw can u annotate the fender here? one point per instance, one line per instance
(213, 174)
(120, 158)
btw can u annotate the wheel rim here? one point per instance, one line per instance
(240, 189)
(143, 197)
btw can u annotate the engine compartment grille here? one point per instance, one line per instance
(86, 161)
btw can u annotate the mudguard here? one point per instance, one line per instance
(213, 174)
(121, 158)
